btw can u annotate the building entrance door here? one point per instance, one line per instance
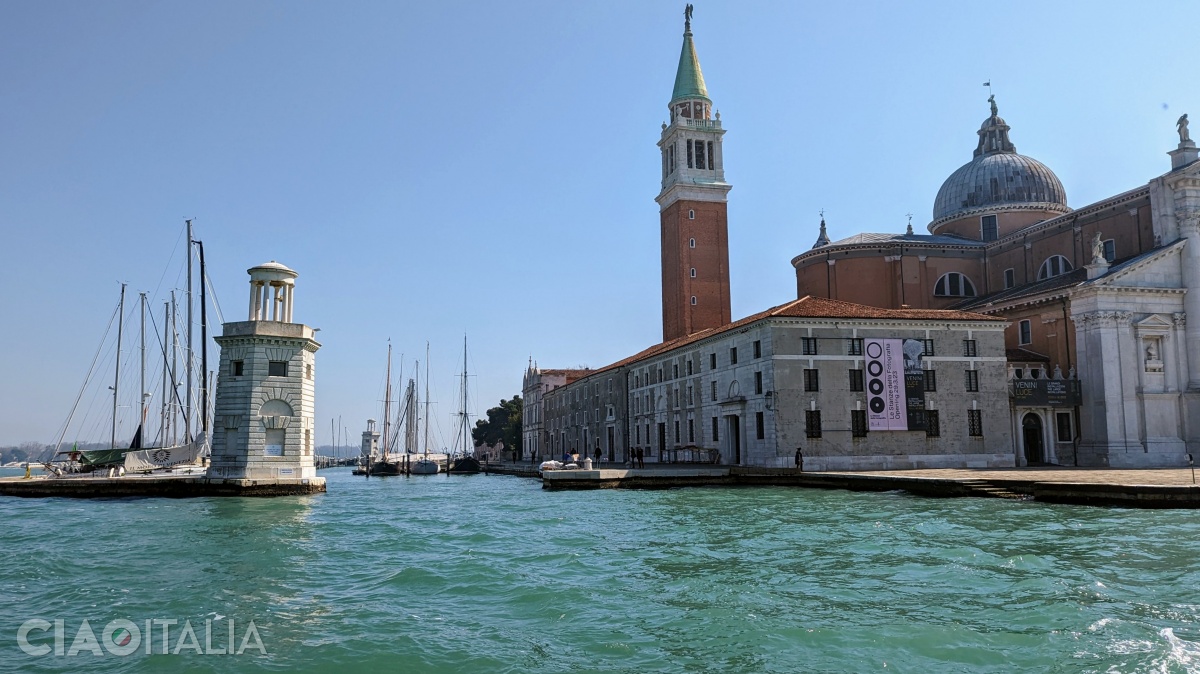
(1031, 432)
(733, 438)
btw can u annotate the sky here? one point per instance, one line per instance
(435, 170)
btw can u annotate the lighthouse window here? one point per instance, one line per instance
(237, 367)
(277, 368)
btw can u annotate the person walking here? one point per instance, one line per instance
(799, 460)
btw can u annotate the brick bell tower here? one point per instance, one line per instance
(695, 238)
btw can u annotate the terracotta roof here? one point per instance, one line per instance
(806, 307)
(571, 375)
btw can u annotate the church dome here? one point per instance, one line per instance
(998, 178)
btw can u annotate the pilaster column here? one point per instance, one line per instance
(1189, 227)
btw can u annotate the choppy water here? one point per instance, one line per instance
(491, 574)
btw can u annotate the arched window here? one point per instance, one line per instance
(1055, 265)
(954, 284)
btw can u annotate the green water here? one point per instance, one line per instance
(491, 574)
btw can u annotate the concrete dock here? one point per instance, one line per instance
(167, 486)
(1144, 488)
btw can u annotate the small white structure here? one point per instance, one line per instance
(264, 422)
(370, 442)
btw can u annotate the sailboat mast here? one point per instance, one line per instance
(187, 417)
(166, 399)
(117, 374)
(387, 404)
(142, 399)
(203, 345)
(174, 398)
(463, 412)
(426, 399)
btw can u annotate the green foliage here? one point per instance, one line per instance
(502, 425)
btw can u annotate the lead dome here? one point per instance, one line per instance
(997, 178)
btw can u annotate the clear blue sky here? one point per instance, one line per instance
(435, 169)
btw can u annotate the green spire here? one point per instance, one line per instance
(689, 81)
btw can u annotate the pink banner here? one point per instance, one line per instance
(884, 378)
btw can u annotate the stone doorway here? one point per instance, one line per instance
(1034, 440)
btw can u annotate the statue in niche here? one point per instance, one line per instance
(1182, 125)
(1098, 250)
(1151, 349)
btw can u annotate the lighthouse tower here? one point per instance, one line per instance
(263, 438)
(692, 203)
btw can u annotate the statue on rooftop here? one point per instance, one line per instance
(1098, 250)
(1182, 125)
(687, 15)
(995, 110)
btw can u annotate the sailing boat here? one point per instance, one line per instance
(464, 462)
(136, 457)
(426, 465)
(387, 466)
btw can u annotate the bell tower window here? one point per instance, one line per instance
(700, 155)
(711, 165)
(689, 154)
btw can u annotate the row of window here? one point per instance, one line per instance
(858, 423)
(644, 378)
(275, 368)
(854, 347)
(812, 380)
(699, 156)
(955, 284)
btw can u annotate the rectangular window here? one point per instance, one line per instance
(277, 368)
(1110, 250)
(638, 432)
(856, 381)
(237, 367)
(858, 423)
(676, 437)
(714, 390)
(928, 347)
(1063, 423)
(711, 165)
(1010, 278)
(969, 349)
(933, 425)
(975, 423)
(712, 361)
(691, 401)
(733, 355)
(700, 164)
(987, 225)
(760, 425)
(689, 154)
(812, 423)
(716, 430)
(689, 366)
(931, 380)
(854, 346)
(811, 380)
(808, 346)
(691, 430)
(972, 380)
(758, 387)
(1025, 332)
(674, 370)
(757, 349)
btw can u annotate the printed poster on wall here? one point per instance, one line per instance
(895, 382)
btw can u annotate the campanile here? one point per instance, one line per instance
(692, 203)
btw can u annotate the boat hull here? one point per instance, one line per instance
(426, 467)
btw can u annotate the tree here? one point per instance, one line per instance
(503, 425)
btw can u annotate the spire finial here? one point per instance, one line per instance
(910, 229)
(687, 18)
(823, 237)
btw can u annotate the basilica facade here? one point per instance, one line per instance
(1102, 361)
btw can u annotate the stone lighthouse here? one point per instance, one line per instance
(263, 439)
